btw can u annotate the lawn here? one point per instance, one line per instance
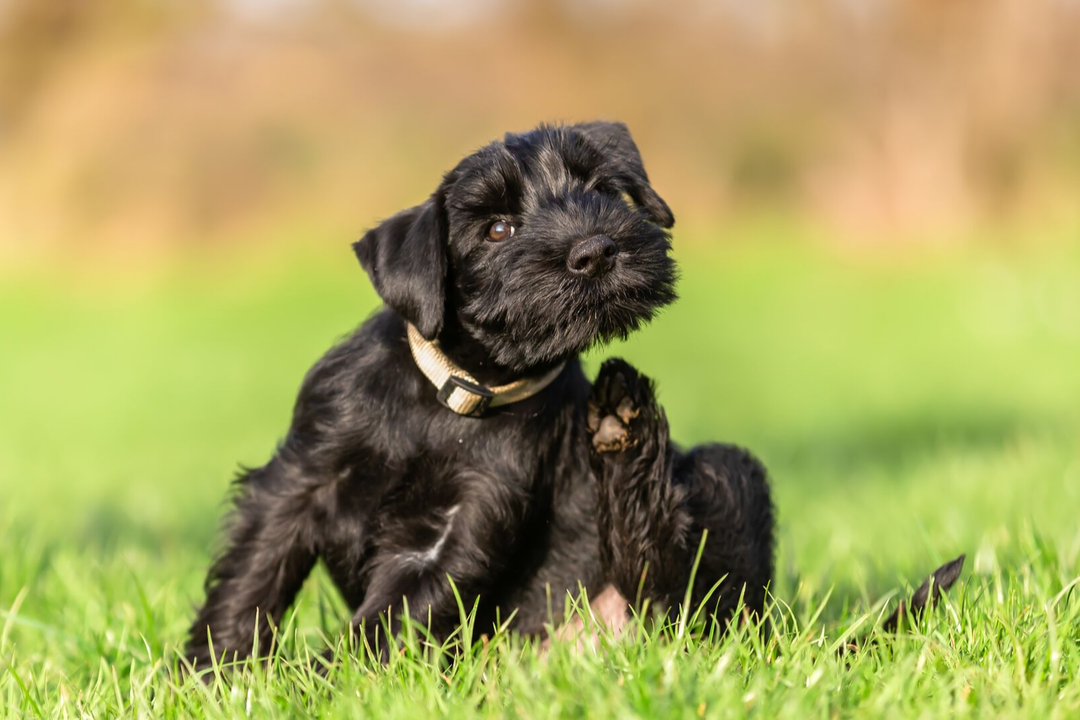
(909, 408)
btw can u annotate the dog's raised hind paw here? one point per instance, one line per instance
(621, 399)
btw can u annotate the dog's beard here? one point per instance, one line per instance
(536, 313)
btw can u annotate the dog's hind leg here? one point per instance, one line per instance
(656, 504)
(270, 553)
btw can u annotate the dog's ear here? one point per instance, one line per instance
(613, 139)
(405, 257)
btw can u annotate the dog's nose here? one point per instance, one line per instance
(592, 257)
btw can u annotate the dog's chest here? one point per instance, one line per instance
(495, 484)
(511, 493)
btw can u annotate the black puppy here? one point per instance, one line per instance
(454, 434)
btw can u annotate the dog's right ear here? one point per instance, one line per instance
(405, 257)
(613, 139)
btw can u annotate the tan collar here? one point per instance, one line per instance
(460, 391)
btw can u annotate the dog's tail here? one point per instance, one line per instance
(922, 600)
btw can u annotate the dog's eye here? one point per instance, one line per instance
(500, 231)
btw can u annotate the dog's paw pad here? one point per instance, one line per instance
(620, 397)
(611, 436)
(626, 410)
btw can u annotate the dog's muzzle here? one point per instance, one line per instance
(460, 391)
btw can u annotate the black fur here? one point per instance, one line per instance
(577, 485)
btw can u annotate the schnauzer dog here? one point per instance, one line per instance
(454, 435)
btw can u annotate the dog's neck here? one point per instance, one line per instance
(467, 353)
(459, 391)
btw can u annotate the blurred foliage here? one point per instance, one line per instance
(137, 125)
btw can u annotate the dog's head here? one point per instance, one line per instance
(537, 246)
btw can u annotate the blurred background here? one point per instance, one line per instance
(135, 127)
(878, 231)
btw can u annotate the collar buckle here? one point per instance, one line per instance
(465, 397)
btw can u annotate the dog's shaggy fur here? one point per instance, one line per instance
(577, 486)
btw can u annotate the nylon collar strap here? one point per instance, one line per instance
(460, 391)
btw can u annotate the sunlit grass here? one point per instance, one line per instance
(908, 412)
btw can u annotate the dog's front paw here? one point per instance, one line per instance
(621, 400)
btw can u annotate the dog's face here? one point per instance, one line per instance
(539, 246)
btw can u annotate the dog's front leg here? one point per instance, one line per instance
(427, 598)
(420, 579)
(270, 553)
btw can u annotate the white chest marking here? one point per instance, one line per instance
(431, 555)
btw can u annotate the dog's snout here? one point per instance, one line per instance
(593, 256)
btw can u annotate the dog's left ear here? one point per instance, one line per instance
(405, 257)
(613, 139)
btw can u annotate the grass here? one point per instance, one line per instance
(909, 410)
